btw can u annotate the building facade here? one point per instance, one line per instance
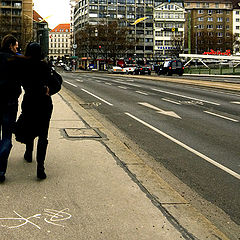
(41, 32)
(171, 26)
(16, 17)
(72, 36)
(236, 27)
(209, 25)
(125, 12)
(168, 29)
(59, 41)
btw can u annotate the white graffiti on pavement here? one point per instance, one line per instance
(56, 216)
(52, 217)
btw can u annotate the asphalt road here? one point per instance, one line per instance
(191, 130)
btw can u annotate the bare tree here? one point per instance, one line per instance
(210, 40)
(105, 40)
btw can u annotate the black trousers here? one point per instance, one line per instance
(41, 144)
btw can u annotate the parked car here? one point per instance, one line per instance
(142, 70)
(171, 67)
(115, 69)
(129, 69)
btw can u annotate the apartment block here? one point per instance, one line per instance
(16, 17)
(59, 41)
(168, 29)
(209, 25)
(125, 12)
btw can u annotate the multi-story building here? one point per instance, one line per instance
(209, 25)
(72, 36)
(59, 41)
(236, 26)
(125, 12)
(16, 17)
(41, 32)
(168, 28)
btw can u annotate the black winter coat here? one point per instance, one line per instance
(36, 105)
(10, 66)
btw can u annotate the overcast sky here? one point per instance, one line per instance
(59, 10)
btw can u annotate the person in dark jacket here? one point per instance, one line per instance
(37, 106)
(10, 91)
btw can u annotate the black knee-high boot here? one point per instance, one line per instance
(41, 154)
(29, 150)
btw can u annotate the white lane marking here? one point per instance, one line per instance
(217, 115)
(235, 102)
(169, 113)
(70, 83)
(179, 95)
(100, 78)
(167, 100)
(108, 83)
(143, 93)
(234, 174)
(122, 87)
(98, 81)
(110, 104)
(79, 80)
(135, 85)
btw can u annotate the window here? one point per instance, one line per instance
(210, 19)
(219, 34)
(210, 12)
(237, 19)
(200, 19)
(219, 26)
(148, 40)
(149, 48)
(159, 33)
(167, 42)
(210, 26)
(200, 11)
(159, 42)
(219, 19)
(219, 11)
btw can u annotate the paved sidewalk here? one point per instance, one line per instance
(96, 189)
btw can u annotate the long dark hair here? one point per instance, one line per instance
(7, 41)
(34, 51)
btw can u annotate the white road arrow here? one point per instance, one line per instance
(235, 102)
(168, 113)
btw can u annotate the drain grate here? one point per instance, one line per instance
(82, 133)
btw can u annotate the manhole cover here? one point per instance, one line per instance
(81, 133)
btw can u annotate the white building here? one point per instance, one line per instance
(236, 27)
(59, 41)
(168, 28)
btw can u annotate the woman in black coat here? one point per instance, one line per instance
(37, 105)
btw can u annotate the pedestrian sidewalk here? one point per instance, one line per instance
(96, 188)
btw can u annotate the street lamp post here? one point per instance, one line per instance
(196, 43)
